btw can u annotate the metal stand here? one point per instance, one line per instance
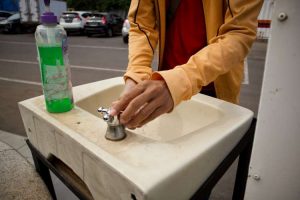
(243, 151)
(77, 186)
(43, 170)
(62, 171)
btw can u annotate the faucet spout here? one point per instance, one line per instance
(115, 130)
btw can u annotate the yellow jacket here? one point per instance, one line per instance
(230, 29)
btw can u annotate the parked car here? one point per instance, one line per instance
(108, 24)
(12, 24)
(74, 21)
(4, 14)
(125, 31)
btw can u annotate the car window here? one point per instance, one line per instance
(117, 18)
(111, 17)
(120, 19)
(4, 14)
(85, 15)
(14, 16)
(96, 15)
(69, 14)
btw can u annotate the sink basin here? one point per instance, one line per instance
(187, 118)
(168, 158)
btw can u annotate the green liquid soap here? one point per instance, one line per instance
(56, 79)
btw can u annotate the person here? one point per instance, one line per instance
(202, 46)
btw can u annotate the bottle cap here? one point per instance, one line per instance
(48, 17)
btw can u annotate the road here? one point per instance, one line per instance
(94, 59)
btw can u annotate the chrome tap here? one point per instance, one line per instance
(115, 130)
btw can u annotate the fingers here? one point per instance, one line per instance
(143, 103)
(141, 115)
(136, 106)
(128, 86)
(124, 100)
(115, 107)
(159, 101)
(153, 116)
(148, 114)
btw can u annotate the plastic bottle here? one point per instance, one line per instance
(51, 41)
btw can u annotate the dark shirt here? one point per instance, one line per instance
(185, 36)
(185, 33)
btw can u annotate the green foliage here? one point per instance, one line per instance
(99, 5)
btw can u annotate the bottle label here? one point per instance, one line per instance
(55, 76)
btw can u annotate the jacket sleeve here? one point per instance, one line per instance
(223, 52)
(143, 39)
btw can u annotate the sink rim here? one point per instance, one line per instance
(141, 176)
(201, 99)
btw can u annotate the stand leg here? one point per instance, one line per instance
(43, 171)
(243, 167)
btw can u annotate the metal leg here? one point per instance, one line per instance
(62, 171)
(204, 196)
(43, 171)
(242, 149)
(243, 167)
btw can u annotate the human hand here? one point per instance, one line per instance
(142, 103)
(129, 85)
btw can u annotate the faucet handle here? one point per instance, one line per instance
(111, 120)
(106, 113)
(115, 131)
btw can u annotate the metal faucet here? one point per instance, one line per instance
(115, 130)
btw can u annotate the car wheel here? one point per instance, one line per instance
(80, 32)
(109, 32)
(18, 29)
(89, 34)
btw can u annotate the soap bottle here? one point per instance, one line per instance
(51, 42)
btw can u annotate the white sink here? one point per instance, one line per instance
(168, 158)
(185, 119)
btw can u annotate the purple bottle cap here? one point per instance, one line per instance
(48, 17)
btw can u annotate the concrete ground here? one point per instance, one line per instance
(17, 171)
(18, 178)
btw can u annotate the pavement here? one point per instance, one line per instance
(17, 173)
